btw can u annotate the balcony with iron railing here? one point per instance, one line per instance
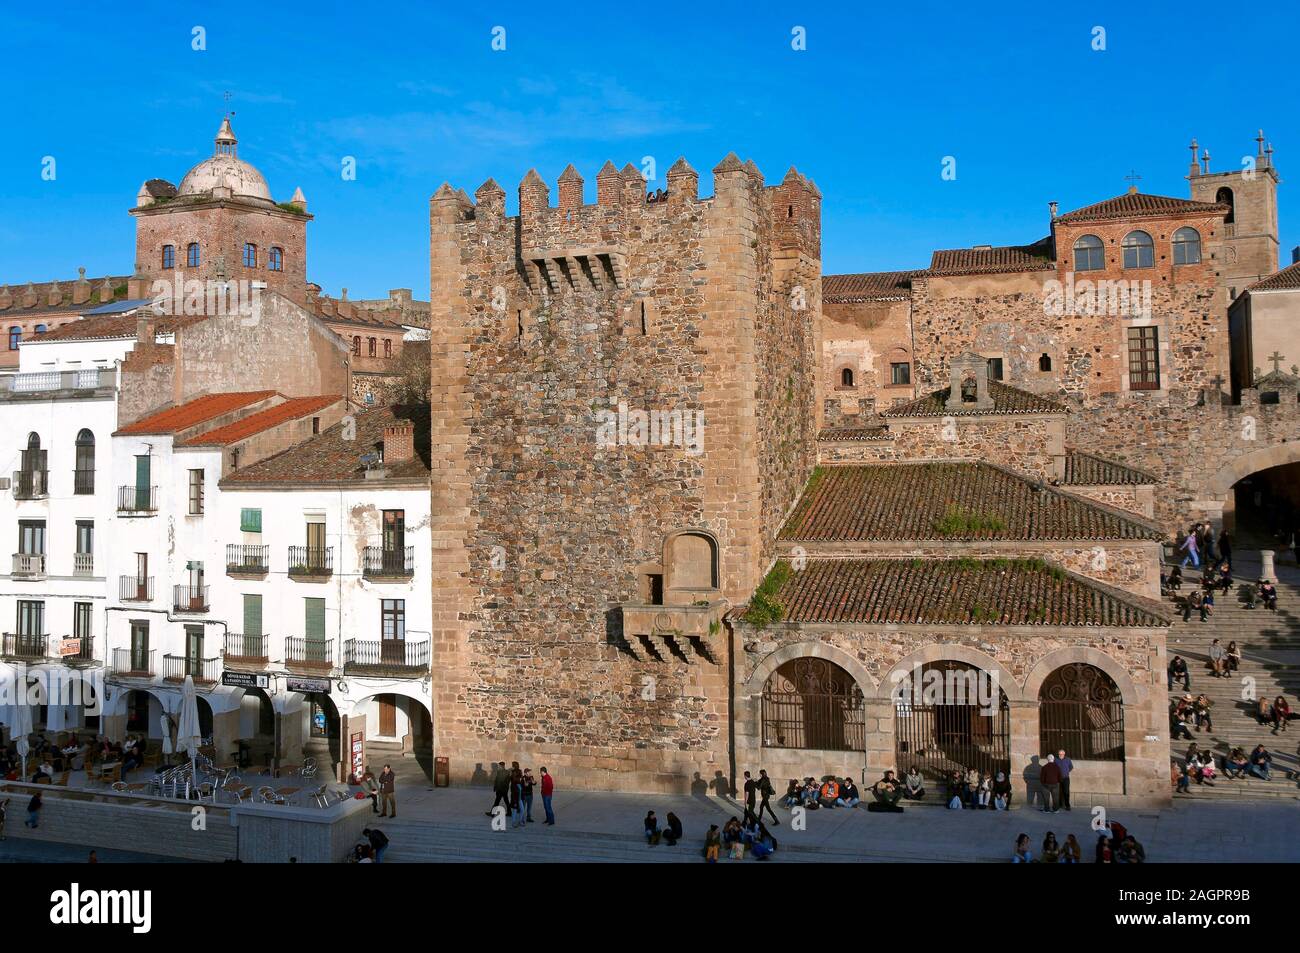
(135, 663)
(247, 560)
(380, 563)
(310, 561)
(246, 651)
(83, 564)
(78, 651)
(190, 598)
(83, 482)
(308, 655)
(394, 657)
(29, 566)
(135, 589)
(137, 500)
(31, 484)
(24, 645)
(202, 670)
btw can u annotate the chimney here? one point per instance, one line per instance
(399, 443)
(81, 290)
(1295, 255)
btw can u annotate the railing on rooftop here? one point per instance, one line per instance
(45, 381)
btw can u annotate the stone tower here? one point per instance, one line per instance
(1247, 250)
(623, 410)
(221, 223)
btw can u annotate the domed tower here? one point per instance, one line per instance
(221, 223)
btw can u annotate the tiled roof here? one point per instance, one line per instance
(855, 434)
(872, 286)
(1288, 279)
(1006, 400)
(993, 260)
(1084, 469)
(194, 412)
(14, 295)
(330, 458)
(948, 502)
(112, 326)
(957, 592)
(291, 409)
(1138, 205)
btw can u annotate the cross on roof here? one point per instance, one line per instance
(1132, 177)
(1277, 360)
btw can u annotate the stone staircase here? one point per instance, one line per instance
(1270, 644)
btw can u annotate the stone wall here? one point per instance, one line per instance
(545, 321)
(1018, 659)
(866, 337)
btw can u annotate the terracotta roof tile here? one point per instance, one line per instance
(948, 502)
(1288, 279)
(291, 409)
(194, 412)
(1084, 469)
(957, 592)
(329, 458)
(1006, 400)
(872, 286)
(993, 260)
(113, 326)
(1139, 205)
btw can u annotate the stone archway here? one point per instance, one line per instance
(1221, 484)
(941, 652)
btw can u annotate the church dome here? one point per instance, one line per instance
(225, 170)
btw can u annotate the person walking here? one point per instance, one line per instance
(1049, 778)
(4, 809)
(765, 792)
(387, 792)
(516, 798)
(1066, 766)
(548, 791)
(1189, 546)
(751, 789)
(378, 842)
(500, 787)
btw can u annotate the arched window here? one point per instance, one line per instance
(192, 255)
(1080, 710)
(169, 256)
(388, 347)
(813, 704)
(1139, 250)
(275, 259)
(41, 329)
(846, 377)
(1224, 197)
(1089, 254)
(84, 475)
(370, 346)
(1187, 246)
(250, 255)
(356, 345)
(1044, 362)
(951, 716)
(15, 335)
(691, 562)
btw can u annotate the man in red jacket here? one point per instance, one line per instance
(548, 788)
(1049, 776)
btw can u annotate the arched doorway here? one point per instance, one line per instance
(947, 718)
(1081, 711)
(321, 738)
(399, 730)
(812, 703)
(1266, 503)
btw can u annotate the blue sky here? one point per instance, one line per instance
(869, 110)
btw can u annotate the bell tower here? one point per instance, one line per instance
(1247, 250)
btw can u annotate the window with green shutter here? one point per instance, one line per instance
(315, 619)
(252, 614)
(250, 521)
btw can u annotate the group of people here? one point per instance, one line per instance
(1115, 845)
(49, 758)
(1186, 713)
(1198, 545)
(514, 788)
(812, 794)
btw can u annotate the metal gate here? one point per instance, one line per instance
(813, 703)
(943, 731)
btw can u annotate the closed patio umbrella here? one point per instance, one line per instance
(187, 732)
(20, 729)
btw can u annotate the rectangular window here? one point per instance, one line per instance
(31, 537)
(196, 492)
(85, 537)
(139, 646)
(82, 622)
(995, 368)
(250, 255)
(252, 614)
(314, 620)
(393, 614)
(1144, 358)
(169, 257)
(31, 617)
(388, 348)
(900, 373)
(250, 521)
